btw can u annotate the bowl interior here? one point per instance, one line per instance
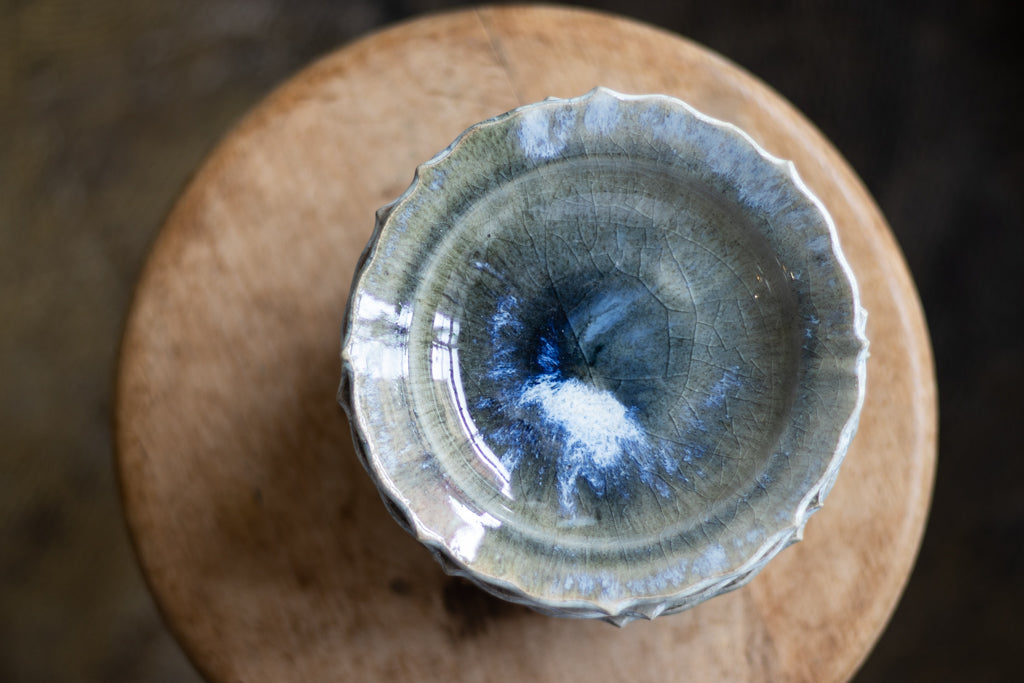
(613, 354)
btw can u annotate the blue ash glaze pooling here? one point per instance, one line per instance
(548, 406)
(551, 405)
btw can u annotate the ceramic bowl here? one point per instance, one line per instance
(604, 356)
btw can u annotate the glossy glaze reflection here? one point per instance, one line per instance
(591, 351)
(604, 356)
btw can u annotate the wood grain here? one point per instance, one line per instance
(265, 544)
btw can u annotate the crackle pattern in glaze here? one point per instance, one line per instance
(604, 356)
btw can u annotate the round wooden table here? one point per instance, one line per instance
(264, 542)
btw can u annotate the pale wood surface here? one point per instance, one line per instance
(265, 543)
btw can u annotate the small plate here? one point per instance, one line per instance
(604, 356)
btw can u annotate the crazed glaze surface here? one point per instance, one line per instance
(604, 356)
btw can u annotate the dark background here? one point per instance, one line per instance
(107, 107)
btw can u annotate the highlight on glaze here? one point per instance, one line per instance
(604, 356)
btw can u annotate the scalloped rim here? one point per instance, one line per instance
(619, 612)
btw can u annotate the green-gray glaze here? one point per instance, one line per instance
(604, 356)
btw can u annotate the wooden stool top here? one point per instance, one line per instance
(266, 545)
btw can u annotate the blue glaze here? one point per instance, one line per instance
(550, 403)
